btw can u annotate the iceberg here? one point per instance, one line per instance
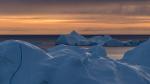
(99, 40)
(22, 63)
(72, 39)
(61, 50)
(134, 42)
(75, 39)
(139, 55)
(114, 43)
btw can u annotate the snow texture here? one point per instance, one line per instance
(24, 63)
(61, 50)
(139, 55)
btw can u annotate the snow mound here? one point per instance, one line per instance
(139, 55)
(73, 70)
(68, 68)
(22, 63)
(62, 50)
(72, 39)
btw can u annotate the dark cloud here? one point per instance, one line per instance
(69, 1)
(131, 7)
(117, 9)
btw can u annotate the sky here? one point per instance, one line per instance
(85, 16)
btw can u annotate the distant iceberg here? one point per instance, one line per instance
(114, 43)
(134, 42)
(72, 39)
(75, 38)
(99, 40)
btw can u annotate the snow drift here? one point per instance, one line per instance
(77, 66)
(70, 69)
(139, 55)
(24, 63)
(61, 50)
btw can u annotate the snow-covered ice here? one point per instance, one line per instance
(73, 38)
(24, 63)
(114, 42)
(139, 55)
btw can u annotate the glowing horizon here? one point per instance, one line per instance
(59, 18)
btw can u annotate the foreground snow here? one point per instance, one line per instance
(24, 63)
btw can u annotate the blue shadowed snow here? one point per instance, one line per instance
(73, 70)
(139, 55)
(61, 50)
(24, 63)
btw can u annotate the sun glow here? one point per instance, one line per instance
(87, 24)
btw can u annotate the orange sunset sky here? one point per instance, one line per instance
(87, 17)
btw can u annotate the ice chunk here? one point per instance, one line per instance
(100, 39)
(22, 63)
(98, 51)
(133, 42)
(9, 61)
(96, 40)
(61, 50)
(139, 55)
(114, 42)
(72, 70)
(76, 39)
